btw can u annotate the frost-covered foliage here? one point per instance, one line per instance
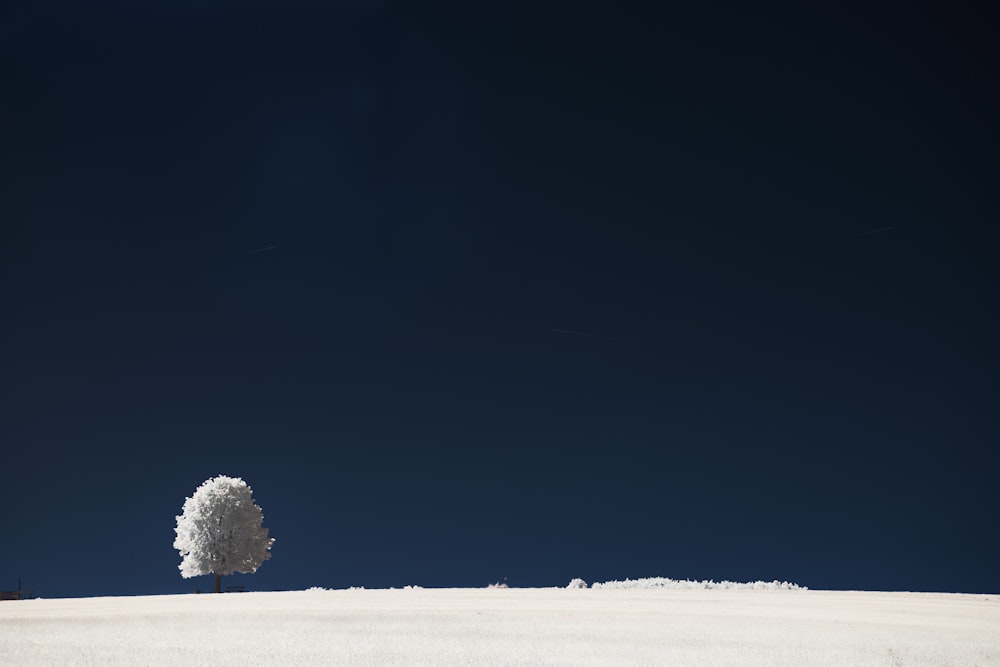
(577, 583)
(663, 582)
(220, 530)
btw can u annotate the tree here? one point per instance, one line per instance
(220, 531)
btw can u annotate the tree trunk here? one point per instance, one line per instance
(218, 581)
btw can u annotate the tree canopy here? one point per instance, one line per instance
(220, 531)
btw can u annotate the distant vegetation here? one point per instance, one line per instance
(663, 582)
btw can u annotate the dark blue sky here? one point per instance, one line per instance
(698, 292)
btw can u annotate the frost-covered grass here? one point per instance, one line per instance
(507, 626)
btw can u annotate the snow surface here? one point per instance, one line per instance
(507, 626)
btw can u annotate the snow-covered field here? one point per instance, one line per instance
(507, 626)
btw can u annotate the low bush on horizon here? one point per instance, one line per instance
(675, 584)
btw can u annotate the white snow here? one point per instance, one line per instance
(507, 626)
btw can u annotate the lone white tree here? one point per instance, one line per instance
(220, 531)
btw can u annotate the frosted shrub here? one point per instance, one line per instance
(577, 583)
(663, 582)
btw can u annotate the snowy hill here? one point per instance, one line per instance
(507, 626)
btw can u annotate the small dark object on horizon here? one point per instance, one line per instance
(15, 595)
